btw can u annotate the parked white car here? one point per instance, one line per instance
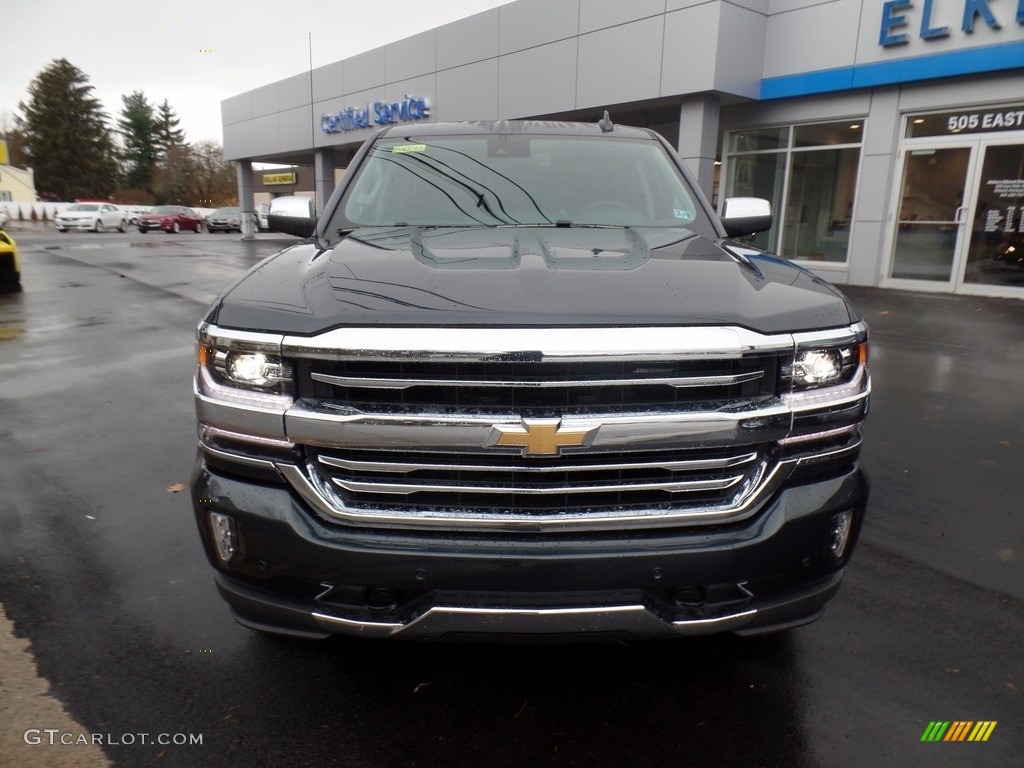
(96, 217)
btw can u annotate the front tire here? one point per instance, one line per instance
(175, 228)
(199, 227)
(99, 226)
(122, 227)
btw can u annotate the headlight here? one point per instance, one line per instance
(243, 390)
(824, 367)
(246, 368)
(243, 367)
(255, 369)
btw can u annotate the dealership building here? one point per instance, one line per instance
(887, 134)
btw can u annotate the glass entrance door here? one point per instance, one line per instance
(995, 255)
(932, 213)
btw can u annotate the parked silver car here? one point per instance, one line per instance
(225, 220)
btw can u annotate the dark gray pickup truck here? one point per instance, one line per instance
(519, 380)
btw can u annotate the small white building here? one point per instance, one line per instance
(17, 185)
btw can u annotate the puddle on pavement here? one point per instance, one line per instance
(105, 245)
(8, 334)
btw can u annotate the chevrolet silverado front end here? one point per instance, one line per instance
(521, 381)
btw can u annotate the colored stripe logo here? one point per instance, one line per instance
(958, 730)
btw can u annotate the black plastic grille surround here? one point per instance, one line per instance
(539, 388)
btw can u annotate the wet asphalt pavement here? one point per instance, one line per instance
(101, 567)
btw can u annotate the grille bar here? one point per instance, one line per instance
(396, 512)
(366, 382)
(674, 486)
(488, 485)
(357, 465)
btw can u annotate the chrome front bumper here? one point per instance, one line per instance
(438, 622)
(619, 619)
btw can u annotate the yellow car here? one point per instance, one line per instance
(10, 269)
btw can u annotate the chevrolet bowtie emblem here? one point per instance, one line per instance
(540, 437)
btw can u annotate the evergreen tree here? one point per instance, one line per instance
(138, 128)
(168, 134)
(67, 141)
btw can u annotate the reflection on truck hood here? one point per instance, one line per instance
(524, 276)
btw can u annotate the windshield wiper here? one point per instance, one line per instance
(562, 224)
(567, 224)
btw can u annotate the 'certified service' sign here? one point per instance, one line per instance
(379, 113)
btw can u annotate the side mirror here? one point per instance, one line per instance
(746, 215)
(292, 215)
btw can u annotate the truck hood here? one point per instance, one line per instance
(528, 276)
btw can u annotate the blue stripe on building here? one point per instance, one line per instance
(991, 58)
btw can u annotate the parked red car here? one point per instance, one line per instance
(171, 218)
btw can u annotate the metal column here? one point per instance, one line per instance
(245, 199)
(698, 138)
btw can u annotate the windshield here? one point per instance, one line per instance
(226, 212)
(84, 207)
(516, 179)
(165, 209)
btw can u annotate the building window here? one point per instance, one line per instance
(809, 174)
(5, 196)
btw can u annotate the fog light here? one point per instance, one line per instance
(225, 536)
(839, 533)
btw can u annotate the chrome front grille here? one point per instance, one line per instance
(725, 495)
(533, 429)
(664, 437)
(546, 488)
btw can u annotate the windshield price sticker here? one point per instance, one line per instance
(401, 149)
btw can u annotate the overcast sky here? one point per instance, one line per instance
(196, 54)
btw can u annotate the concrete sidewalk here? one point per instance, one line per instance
(28, 710)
